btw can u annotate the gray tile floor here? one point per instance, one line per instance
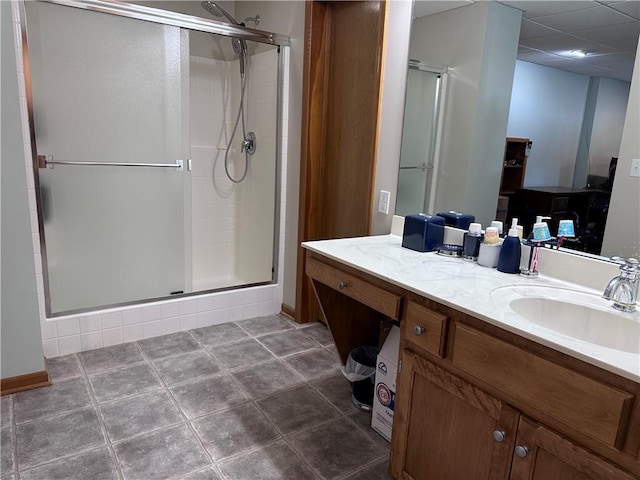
(257, 399)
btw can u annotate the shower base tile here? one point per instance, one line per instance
(129, 417)
(266, 378)
(107, 358)
(245, 352)
(49, 438)
(6, 451)
(208, 395)
(233, 431)
(297, 409)
(336, 448)
(314, 364)
(172, 344)
(219, 334)
(287, 343)
(94, 465)
(6, 406)
(185, 367)
(337, 389)
(60, 368)
(264, 325)
(164, 454)
(275, 462)
(59, 397)
(124, 382)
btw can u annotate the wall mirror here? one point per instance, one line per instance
(580, 166)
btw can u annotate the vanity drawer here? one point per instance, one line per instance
(364, 292)
(425, 328)
(588, 406)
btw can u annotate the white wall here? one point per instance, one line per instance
(20, 323)
(547, 106)
(394, 80)
(622, 233)
(478, 43)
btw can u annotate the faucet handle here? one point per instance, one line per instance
(618, 259)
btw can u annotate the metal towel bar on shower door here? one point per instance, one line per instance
(45, 161)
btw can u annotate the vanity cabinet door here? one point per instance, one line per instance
(541, 454)
(445, 428)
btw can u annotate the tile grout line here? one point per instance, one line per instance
(103, 426)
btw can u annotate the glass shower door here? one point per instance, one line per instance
(418, 141)
(108, 89)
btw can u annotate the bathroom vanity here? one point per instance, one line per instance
(484, 392)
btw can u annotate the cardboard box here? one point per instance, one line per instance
(385, 384)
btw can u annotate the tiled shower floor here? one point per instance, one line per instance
(257, 399)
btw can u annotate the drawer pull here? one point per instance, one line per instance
(499, 436)
(521, 451)
(342, 285)
(418, 330)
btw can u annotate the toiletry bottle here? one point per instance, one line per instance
(471, 242)
(509, 259)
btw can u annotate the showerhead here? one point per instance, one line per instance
(217, 11)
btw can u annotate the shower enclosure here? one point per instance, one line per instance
(420, 139)
(154, 138)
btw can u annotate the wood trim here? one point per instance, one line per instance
(21, 383)
(340, 125)
(288, 311)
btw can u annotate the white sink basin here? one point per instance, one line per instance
(578, 315)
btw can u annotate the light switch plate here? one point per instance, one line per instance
(635, 167)
(383, 203)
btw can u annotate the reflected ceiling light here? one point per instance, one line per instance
(579, 53)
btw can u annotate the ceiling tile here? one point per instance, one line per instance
(610, 61)
(630, 7)
(594, 17)
(531, 29)
(423, 8)
(610, 33)
(628, 45)
(536, 8)
(562, 44)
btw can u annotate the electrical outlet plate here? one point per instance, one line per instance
(383, 202)
(635, 167)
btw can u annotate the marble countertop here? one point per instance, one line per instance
(481, 292)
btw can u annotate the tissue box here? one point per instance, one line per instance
(457, 219)
(423, 233)
(385, 385)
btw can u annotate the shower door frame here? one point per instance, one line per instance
(163, 17)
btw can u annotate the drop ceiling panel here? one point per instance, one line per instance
(629, 7)
(562, 44)
(584, 19)
(610, 33)
(536, 8)
(531, 29)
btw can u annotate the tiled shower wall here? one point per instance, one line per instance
(74, 333)
(232, 223)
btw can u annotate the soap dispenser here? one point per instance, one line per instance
(509, 259)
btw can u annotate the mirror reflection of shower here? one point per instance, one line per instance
(249, 142)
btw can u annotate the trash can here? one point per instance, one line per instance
(360, 370)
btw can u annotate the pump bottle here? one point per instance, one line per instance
(509, 259)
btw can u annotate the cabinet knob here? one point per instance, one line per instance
(499, 436)
(418, 330)
(342, 285)
(521, 451)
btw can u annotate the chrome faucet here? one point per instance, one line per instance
(623, 289)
